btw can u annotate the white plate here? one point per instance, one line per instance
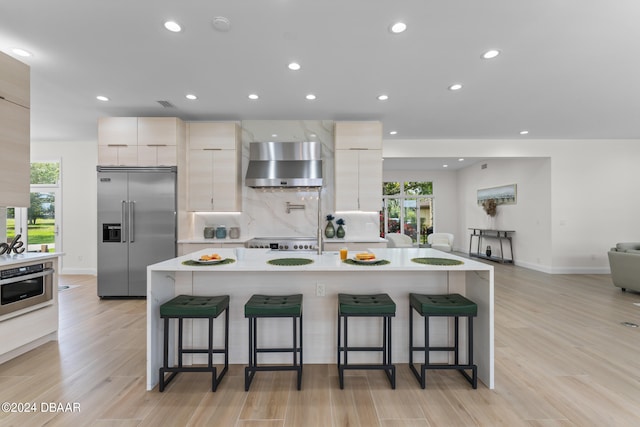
(365, 261)
(211, 261)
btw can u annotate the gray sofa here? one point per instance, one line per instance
(624, 261)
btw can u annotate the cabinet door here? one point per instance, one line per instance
(118, 131)
(346, 179)
(15, 80)
(157, 155)
(358, 135)
(200, 180)
(369, 180)
(157, 131)
(203, 135)
(358, 177)
(225, 184)
(15, 160)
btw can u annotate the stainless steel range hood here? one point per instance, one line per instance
(284, 164)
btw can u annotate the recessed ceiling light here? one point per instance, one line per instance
(294, 66)
(383, 97)
(102, 98)
(221, 24)
(455, 86)
(524, 132)
(313, 135)
(274, 135)
(173, 26)
(190, 96)
(445, 166)
(253, 96)
(490, 54)
(21, 52)
(398, 27)
(393, 132)
(461, 159)
(310, 97)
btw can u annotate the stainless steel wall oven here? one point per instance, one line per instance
(25, 286)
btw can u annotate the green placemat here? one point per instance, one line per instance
(199, 264)
(437, 261)
(290, 261)
(379, 262)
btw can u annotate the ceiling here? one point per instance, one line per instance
(567, 68)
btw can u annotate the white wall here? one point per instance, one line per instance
(530, 216)
(79, 225)
(593, 187)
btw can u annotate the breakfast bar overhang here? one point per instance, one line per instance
(248, 272)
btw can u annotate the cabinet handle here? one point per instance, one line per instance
(156, 145)
(212, 149)
(117, 145)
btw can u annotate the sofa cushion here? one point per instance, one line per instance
(625, 246)
(633, 251)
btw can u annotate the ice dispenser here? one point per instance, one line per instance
(111, 232)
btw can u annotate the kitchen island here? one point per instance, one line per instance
(320, 282)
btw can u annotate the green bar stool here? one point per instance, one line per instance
(371, 305)
(449, 305)
(195, 307)
(264, 306)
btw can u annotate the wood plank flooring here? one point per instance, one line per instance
(562, 359)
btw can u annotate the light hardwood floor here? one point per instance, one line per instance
(562, 359)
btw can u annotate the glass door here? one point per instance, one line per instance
(38, 225)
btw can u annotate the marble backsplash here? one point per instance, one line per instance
(264, 211)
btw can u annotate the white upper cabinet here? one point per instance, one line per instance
(15, 133)
(214, 167)
(15, 81)
(358, 135)
(358, 180)
(358, 166)
(139, 141)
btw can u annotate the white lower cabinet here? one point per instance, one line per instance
(358, 180)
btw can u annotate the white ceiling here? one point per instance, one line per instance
(568, 68)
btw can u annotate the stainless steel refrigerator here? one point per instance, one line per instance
(136, 226)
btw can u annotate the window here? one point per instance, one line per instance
(41, 219)
(407, 208)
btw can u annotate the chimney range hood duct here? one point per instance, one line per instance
(284, 165)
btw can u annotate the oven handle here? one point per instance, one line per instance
(43, 273)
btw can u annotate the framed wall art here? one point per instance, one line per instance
(505, 194)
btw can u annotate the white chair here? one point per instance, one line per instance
(441, 241)
(397, 240)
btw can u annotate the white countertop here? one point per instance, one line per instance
(256, 260)
(8, 260)
(213, 240)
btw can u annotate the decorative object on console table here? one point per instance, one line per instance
(488, 252)
(330, 231)
(340, 231)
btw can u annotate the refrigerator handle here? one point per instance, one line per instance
(131, 221)
(123, 234)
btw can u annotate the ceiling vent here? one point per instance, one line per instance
(483, 166)
(166, 104)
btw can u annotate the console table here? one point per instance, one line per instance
(501, 235)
